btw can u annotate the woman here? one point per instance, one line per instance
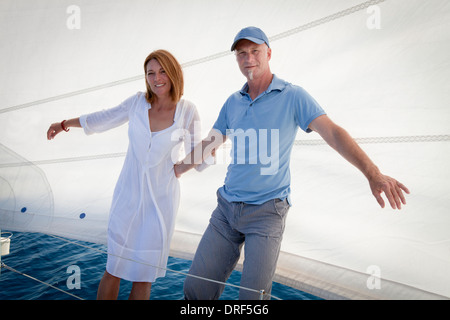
(147, 194)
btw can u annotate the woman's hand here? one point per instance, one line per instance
(54, 129)
(180, 168)
(57, 127)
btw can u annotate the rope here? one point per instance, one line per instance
(62, 160)
(216, 56)
(313, 142)
(3, 265)
(260, 292)
(325, 20)
(372, 140)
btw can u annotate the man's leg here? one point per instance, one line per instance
(261, 256)
(216, 256)
(264, 228)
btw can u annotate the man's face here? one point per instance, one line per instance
(253, 59)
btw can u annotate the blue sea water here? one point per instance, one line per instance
(49, 259)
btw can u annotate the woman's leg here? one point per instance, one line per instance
(140, 291)
(108, 288)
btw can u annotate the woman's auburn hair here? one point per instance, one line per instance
(173, 70)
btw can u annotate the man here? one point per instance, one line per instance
(253, 203)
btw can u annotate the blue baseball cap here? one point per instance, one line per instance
(253, 34)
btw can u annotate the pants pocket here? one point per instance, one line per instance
(281, 206)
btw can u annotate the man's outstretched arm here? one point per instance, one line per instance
(345, 145)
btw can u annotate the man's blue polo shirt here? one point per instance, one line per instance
(262, 132)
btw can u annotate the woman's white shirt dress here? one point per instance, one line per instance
(147, 194)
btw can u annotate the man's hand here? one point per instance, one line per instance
(392, 189)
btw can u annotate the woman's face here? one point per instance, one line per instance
(157, 79)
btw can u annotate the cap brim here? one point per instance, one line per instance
(255, 40)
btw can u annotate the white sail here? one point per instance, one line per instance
(380, 69)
